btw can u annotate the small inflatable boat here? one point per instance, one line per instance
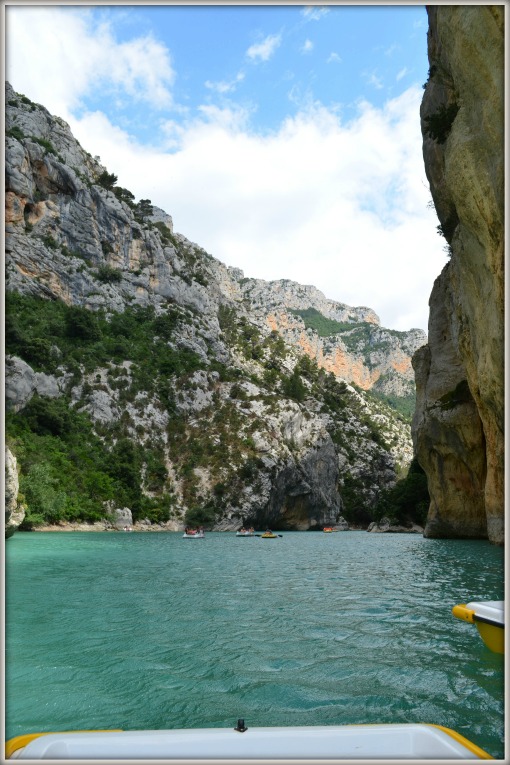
(245, 534)
(489, 618)
(196, 535)
(242, 744)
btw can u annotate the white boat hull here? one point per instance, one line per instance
(302, 743)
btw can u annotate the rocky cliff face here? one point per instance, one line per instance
(349, 342)
(458, 426)
(14, 511)
(170, 373)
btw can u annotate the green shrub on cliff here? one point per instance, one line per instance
(293, 386)
(107, 180)
(16, 132)
(44, 143)
(315, 320)
(107, 274)
(438, 125)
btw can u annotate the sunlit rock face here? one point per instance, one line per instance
(356, 348)
(458, 431)
(14, 511)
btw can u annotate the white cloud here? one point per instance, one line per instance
(314, 13)
(391, 50)
(373, 79)
(225, 87)
(340, 206)
(334, 58)
(307, 46)
(401, 74)
(45, 41)
(263, 50)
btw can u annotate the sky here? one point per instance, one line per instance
(284, 140)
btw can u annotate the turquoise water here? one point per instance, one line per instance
(145, 630)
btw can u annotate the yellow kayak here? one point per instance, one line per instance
(489, 618)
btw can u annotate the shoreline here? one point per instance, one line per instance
(99, 527)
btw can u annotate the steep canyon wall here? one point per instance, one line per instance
(458, 428)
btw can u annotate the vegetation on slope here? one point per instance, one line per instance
(404, 405)
(71, 465)
(324, 327)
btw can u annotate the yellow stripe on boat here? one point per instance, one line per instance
(480, 753)
(464, 613)
(19, 742)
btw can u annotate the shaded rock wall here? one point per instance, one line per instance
(458, 427)
(304, 494)
(448, 428)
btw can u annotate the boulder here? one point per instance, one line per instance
(386, 526)
(121, 517)
(21, 382)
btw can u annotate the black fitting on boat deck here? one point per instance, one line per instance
(240, 726)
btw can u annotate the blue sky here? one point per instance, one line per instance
(271, 60)
(285, 140)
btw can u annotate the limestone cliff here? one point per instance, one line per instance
(347, 341)
(458, 426)
(14, 511)
(154, 373)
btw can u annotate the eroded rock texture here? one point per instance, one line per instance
(14, 512)
(458, 425)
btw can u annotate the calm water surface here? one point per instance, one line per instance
(152, 631)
